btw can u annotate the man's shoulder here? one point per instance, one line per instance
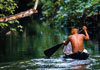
(70, 36)
(81, 34)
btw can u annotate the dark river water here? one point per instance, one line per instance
(25, 51)
(93, 63)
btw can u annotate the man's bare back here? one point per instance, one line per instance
(77, 39)
(77, 42)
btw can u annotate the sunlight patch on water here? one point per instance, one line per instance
(60, 63)
(47, 60)
(49, 69)
(73, 63)
(4, 67)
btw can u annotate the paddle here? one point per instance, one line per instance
(49, 52)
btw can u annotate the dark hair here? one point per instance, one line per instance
(74, 27)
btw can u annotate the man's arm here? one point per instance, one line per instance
(66, 41)
(86, 36)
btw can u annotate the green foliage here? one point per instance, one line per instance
(3, 25)
(71, 10)
(7, 7)
(57, 13)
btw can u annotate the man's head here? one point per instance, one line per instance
(74, 30)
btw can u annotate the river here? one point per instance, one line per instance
(24, 51)
(93, 63)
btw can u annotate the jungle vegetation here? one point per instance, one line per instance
(59, 13)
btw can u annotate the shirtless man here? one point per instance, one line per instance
(76, 40)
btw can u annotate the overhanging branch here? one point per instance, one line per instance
(21, 14)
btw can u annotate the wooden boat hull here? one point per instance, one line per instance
(78, 55)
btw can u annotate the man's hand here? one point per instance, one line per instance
(63, 42)
(84, 28)
(86, 37)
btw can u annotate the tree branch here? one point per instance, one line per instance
(21, 14)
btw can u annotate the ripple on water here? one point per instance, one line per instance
(60, 63)
(47, 60)
(50, 64)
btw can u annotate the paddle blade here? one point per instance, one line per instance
(49, 52)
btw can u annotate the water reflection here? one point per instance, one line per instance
(31, 44)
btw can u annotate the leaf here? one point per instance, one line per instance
(1, 6)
